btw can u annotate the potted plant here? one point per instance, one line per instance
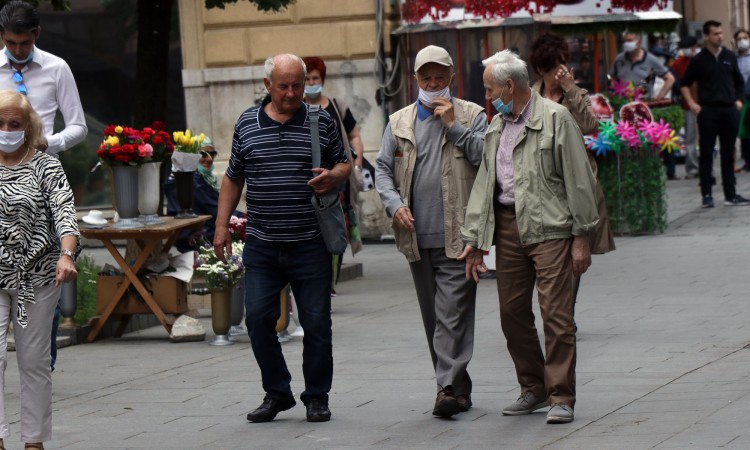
(161, 148)
(220, 277)
(123, 150)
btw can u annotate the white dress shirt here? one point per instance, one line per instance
(51, 86)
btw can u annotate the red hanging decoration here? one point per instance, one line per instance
(638, 5)
(413, 11)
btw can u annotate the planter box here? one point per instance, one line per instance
(169, 292)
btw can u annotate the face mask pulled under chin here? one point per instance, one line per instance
(10, 141)
(427, 98)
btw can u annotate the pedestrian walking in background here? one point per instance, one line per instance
(640, 67)
(720, 88)
(38, 245)
(688, 48)
(742, 42)
(272, 157)
(347, 125)
(534, 198)
(424, 173)
(549, 56)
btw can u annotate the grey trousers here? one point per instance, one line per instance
(691, 132)
(33, 355)
(447, 301)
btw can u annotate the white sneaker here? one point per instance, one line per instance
(560, 413)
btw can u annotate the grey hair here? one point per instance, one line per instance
(506, 64)
(270, 65)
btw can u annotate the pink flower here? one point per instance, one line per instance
(145, 150)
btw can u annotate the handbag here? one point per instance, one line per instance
(356, 177)
(327, 206)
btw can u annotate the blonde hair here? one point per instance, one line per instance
(34, 132)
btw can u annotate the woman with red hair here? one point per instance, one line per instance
(549, 56)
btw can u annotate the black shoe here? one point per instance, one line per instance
(737, 200)
(317, 410)
(269, 408)
(708, 202)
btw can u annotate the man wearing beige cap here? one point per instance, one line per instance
(424, 173)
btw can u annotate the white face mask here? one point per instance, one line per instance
(10, 141)
(743, 45)
(427, 97)
(629, 46)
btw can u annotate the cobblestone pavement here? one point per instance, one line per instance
(662, 362)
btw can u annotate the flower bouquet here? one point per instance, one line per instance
(159, 140)
(123, 146)
(220, 275)
(237, 228)
(186, 151)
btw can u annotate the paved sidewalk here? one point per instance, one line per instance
(662, 362)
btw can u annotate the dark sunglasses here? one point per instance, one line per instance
(21, 87)
(212, 153)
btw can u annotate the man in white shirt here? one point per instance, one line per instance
(45, 78)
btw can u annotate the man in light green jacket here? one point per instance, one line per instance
(425, 169)
(534, 199)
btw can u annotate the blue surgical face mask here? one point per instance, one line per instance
(500, 106)
(19, 61)
(313, 90)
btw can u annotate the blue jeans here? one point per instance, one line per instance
(306, 266)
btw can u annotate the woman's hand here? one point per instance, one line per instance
(565, 78)
(66, 270)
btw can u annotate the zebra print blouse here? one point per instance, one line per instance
(36, 211)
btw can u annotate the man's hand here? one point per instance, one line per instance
(444, 110)
(738, 105)
(581, 255)
(474, 262)
(403, 219)
(324, 182)
(222, 241)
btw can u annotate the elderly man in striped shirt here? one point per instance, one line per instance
(272, 157)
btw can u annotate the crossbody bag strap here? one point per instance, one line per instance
(314, 115)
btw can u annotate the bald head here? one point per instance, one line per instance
(285, 62)
(285, 82)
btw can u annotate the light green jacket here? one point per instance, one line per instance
(553, 181)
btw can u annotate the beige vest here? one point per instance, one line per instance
(457, 176)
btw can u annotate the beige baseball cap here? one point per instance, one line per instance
(432, 54)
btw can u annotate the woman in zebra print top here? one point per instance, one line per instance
(38, 243)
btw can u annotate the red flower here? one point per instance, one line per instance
(158, 125)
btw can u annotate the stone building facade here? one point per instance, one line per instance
(224, 51)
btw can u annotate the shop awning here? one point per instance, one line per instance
(650, 21)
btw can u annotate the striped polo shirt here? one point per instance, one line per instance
(276, 161)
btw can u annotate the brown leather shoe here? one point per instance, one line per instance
(464, 402)
(446, 404)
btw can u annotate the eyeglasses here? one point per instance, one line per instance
(21, 87)
(212, 154)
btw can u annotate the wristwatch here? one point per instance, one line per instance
(66, 252)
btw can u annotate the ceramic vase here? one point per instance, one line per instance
(125, 180)
(184, 185)
(148, 191)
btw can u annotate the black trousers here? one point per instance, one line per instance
(721, 122)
